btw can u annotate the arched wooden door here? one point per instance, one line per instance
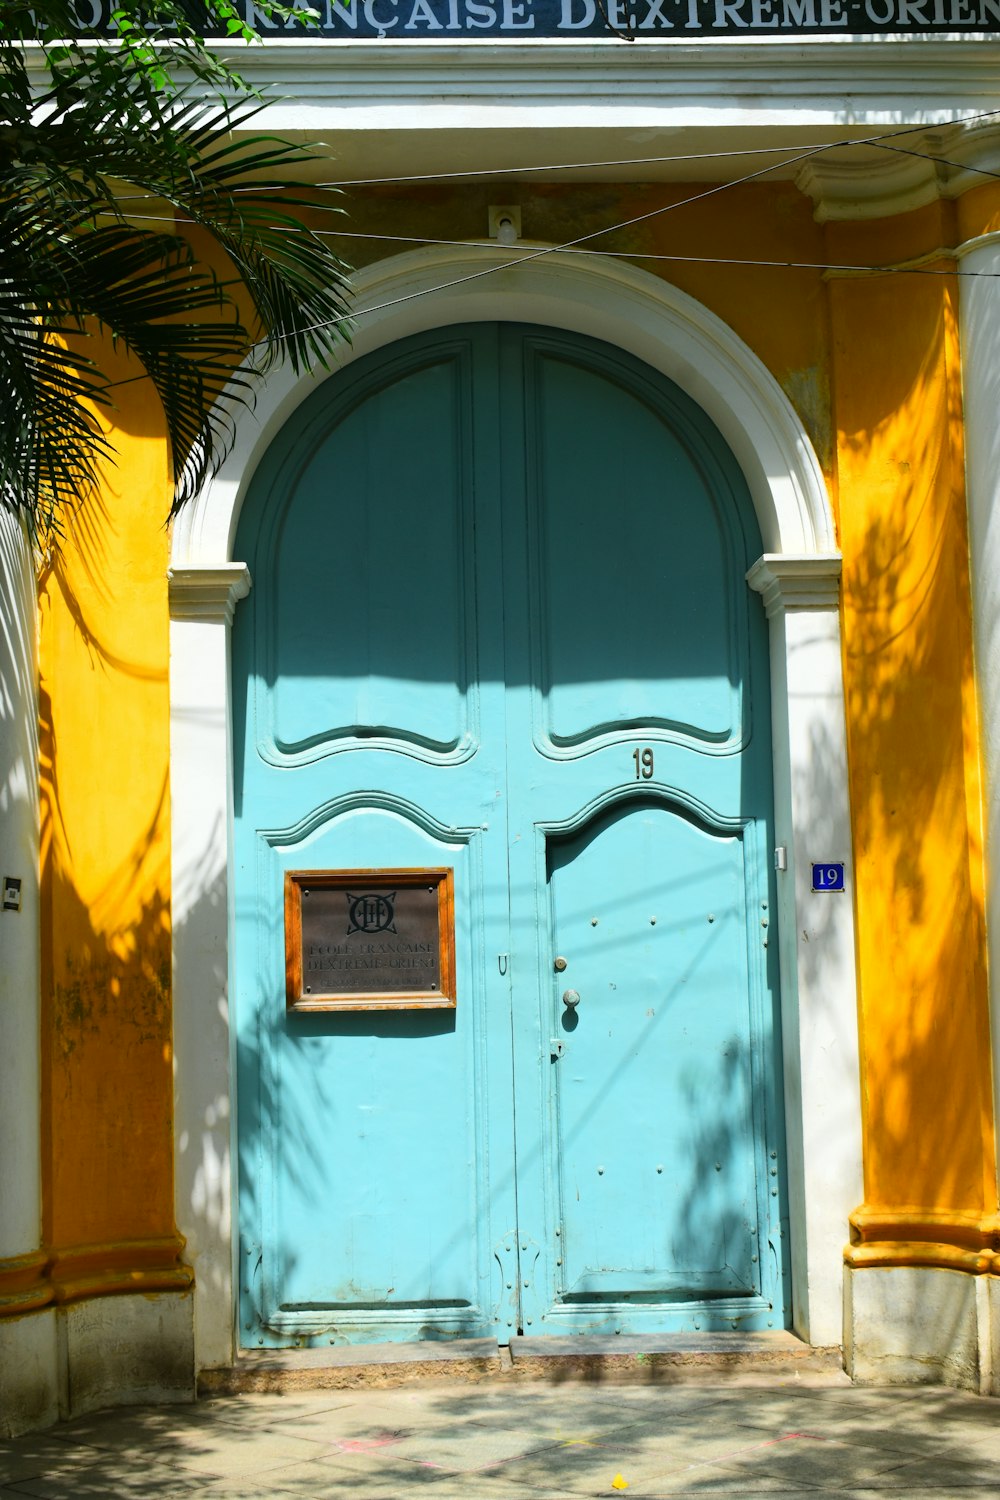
(500, 626)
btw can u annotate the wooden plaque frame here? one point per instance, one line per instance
(368, 886)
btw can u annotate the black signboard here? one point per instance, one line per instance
(529, 20)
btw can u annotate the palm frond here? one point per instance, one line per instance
(72, 261)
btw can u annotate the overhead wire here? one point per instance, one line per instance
(641, 161)
(567, 166)
(569, 245)
(942, 161)
(874, 268)
(881, 141)
(534, 167)
(573, 246)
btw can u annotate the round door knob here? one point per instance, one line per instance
(559, 964)
(571, 999)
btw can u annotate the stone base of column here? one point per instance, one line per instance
(922, 1325)
(29, 1372)
(104, 1351)
(126, 1351)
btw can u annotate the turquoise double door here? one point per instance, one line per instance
(499, 624)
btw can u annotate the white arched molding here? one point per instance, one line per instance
(627, 308)
(674, 334)
(979, 307)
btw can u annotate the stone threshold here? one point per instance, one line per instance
(669, 1359)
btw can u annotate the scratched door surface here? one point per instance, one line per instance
(499, 623)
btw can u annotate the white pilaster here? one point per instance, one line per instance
(979, 305)
(816, 931)
(20, 1191)
(28, 1361)
(202, 600)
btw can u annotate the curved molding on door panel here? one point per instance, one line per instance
(626, 307)
(681, 802)
(383, 737)
(280, 838)
(648, 732)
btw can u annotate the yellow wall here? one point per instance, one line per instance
(872, 366)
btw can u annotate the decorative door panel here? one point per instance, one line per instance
(373, 566)
(636, 561)
(500, 625)
(382, 1111)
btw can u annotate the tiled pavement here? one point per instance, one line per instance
(504, 1440)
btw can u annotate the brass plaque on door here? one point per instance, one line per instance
(369, 939)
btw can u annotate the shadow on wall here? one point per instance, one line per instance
(106, 1023)
(913, 756)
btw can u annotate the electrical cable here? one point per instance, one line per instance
(596, 233)
(571, 246)
(641, 161)
(874, 268)
(941, 161)
(628, 161)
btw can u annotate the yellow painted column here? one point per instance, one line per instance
(914, 757)
(106, 1024)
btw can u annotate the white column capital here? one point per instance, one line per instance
(207, 593)
(789, 582)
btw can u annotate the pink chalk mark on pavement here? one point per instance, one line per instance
(786, 1437)
(365, 1445)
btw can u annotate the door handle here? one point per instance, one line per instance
(571, 999)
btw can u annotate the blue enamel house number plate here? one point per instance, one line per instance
(828, 877)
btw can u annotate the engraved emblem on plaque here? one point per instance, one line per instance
(372, 912)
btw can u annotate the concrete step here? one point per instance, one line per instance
(666, 1358)
(672, 1357)
(345, 1366)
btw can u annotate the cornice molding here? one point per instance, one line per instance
(852, 190)
(786, 582)
(850, 84)
(209, 593)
